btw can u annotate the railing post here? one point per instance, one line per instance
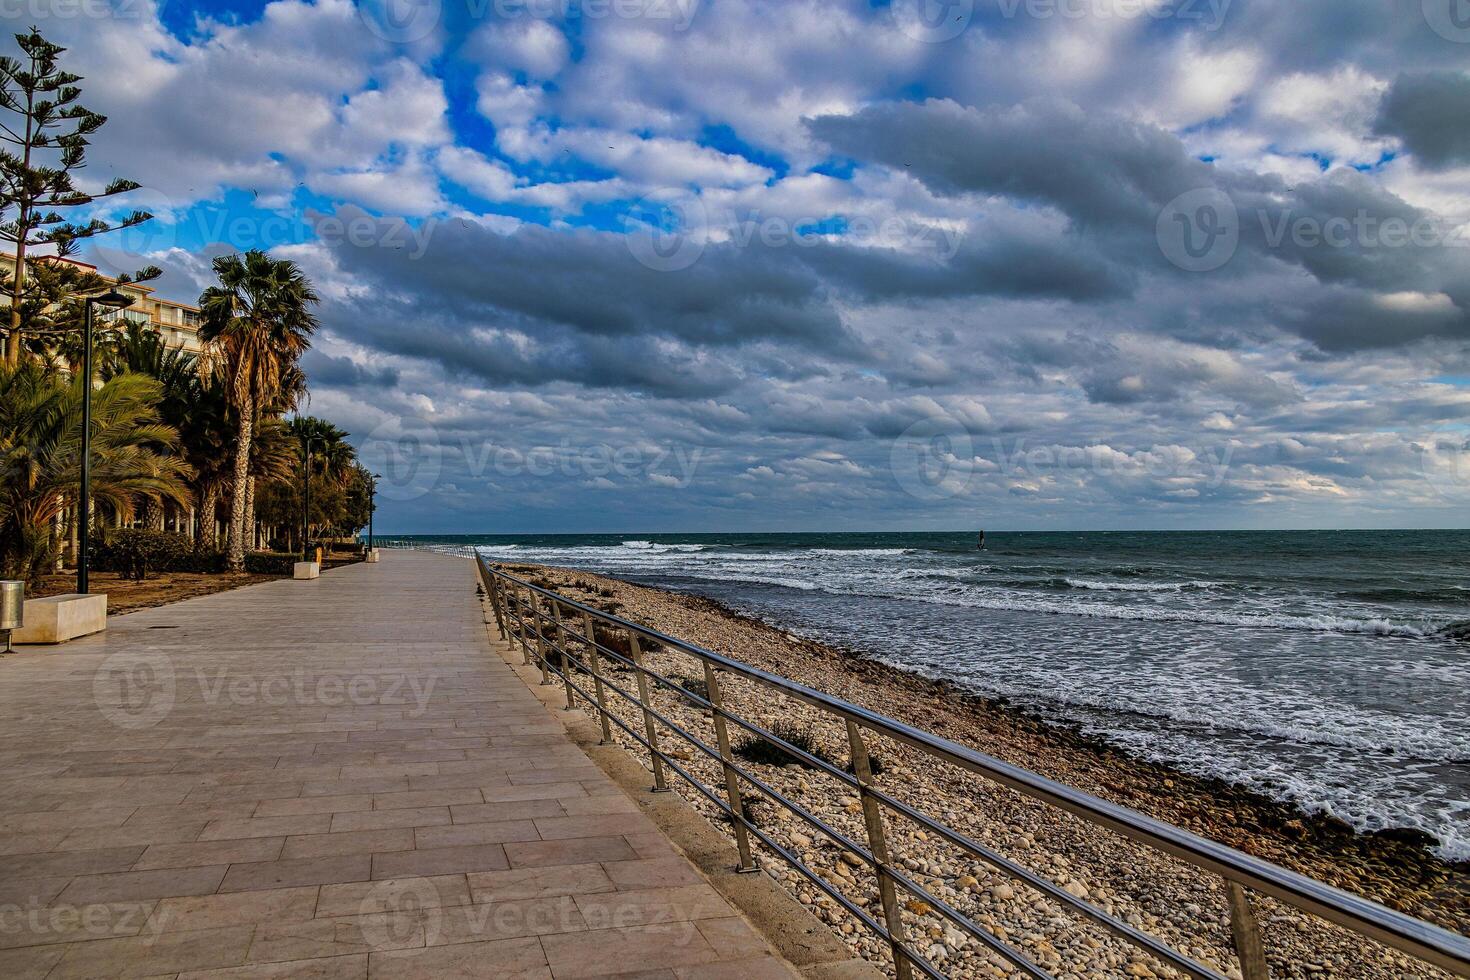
(650, 730)
(732, 779)
(1246, 934)
(595, 662)
(538, 619)
(495, 597)
(566, 658)
(521, 605)
(862, 768)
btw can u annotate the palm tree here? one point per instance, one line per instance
(257, 323)
(140, 349)
(40, 455)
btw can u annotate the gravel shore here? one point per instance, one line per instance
(1161, 896)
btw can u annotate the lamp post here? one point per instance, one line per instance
(306, 505)
(372, 506)
(112, 300)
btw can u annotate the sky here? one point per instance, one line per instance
(705, 265)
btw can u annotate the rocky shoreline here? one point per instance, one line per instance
(1171, 901)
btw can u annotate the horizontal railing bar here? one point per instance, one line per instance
(1115, 925)
(1395, 929)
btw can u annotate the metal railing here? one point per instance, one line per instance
(538, 618)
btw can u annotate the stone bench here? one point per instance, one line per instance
(58, 618)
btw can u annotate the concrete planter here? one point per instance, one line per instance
(307, 570)
(58, 618)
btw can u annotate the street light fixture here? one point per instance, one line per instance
(373, 479)
(306, 504)
(112, 300)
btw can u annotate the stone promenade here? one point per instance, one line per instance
(331, 779)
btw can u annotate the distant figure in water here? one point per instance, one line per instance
(980, 545)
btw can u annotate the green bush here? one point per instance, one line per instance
(270, 563)
(136, 552)
(768, 753)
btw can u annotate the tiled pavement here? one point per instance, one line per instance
(331, 779)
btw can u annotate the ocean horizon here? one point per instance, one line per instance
(1315, 667)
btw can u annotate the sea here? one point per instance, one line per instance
(1312, 666)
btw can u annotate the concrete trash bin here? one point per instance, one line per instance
(12, 608)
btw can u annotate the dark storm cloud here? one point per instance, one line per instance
(1430, 112)
(1097, 168)
(1113, 178)
(343, 372)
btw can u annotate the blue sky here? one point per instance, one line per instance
(712, 265)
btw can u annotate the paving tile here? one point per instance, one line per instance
(47, 925)
(82, 862)
(300, 871)
(354, 967)
(604, 952)
(145, 956)
(652, 873)
(313, 804)
(507, 959)
(29, 963)
(203, 853)
(314, 823)
(502, 920)
(350, 842)
(428, 797)
(384, 819)
(519, 883)
(440, 860)
(236, 909)
(508, 810)
(579, 850)
(476, 833)
(365, 897)
(277, 942)
(651, 905)
(138, 886)
(597, 825)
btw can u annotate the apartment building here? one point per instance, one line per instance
(177, 323)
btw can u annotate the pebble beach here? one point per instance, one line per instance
(1173, 902)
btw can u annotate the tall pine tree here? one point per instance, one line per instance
(47, 131)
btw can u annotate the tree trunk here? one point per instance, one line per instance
(254, 543)
(236, 559)
(208, 509)
(153, 514)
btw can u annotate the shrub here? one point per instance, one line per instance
(136, 552)
(695, 686)
(270, 563)
(767, 753)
